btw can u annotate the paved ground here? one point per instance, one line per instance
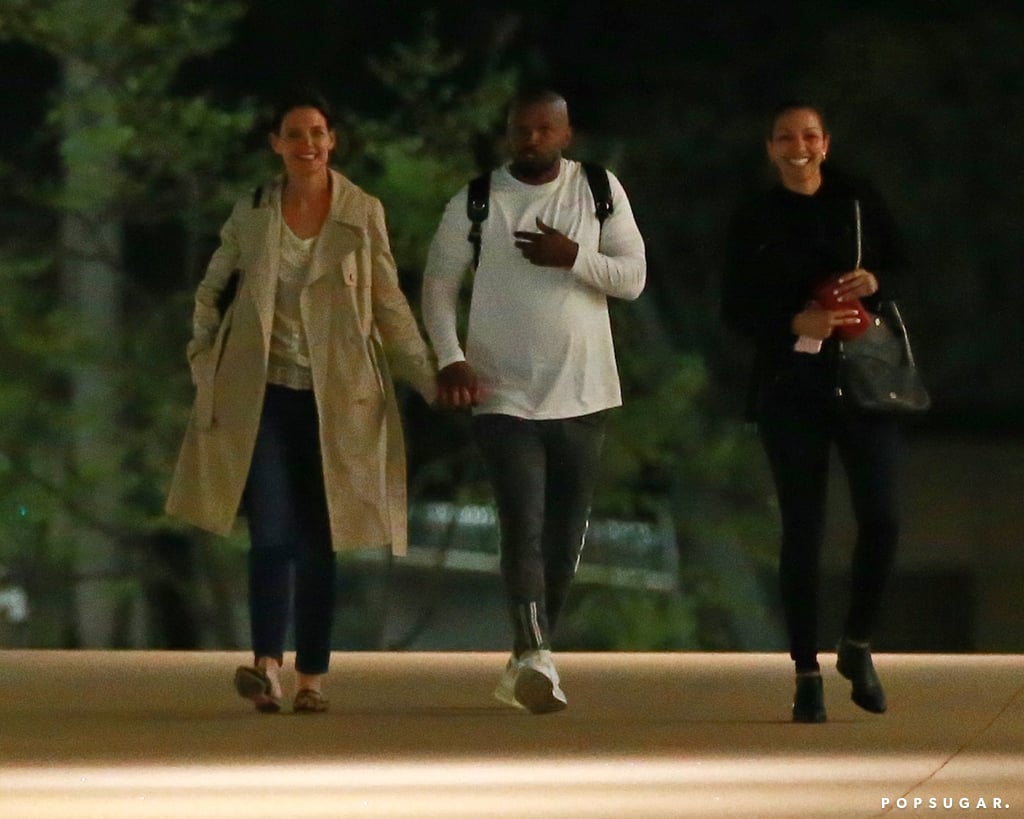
(161, 734)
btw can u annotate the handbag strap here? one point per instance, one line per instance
(901, 331)
(857, 228)
(899, 327)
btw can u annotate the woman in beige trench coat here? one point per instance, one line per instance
(299, 324)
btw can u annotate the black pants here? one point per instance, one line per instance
(290, 533)
(543, 474)
(797, 438)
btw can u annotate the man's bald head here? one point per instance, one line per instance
(538, 131)
(539, 97)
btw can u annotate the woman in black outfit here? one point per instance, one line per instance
(784, 245)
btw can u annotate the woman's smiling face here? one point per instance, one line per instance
(797, 147)
(304, 141)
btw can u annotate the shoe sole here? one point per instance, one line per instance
(506, 697)
(536, 693)
(865, 699)
(811, 719)
(868, 701)
(256, 689)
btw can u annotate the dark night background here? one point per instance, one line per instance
(675, 88)
(922, 97)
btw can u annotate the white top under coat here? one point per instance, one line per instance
(288, 362)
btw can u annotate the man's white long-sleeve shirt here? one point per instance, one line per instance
(539, 338)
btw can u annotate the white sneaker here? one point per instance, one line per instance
(506, 689)
(536, 683)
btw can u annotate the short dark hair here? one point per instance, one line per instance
(300, 98)
(794, 104)
(536, 95)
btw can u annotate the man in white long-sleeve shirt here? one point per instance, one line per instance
(538, 367)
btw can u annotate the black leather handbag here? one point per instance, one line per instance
(877, 371)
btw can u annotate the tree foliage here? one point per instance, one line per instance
(435, 138)
(72, 340)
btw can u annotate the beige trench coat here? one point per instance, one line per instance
(359, 328)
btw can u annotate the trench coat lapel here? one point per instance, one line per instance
(266, 225)
(341, 234)
(337, 240)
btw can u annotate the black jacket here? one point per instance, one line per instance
(781, 245)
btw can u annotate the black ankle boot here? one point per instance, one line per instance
(854, 663)
(809, 699)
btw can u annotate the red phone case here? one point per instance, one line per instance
(825, 295)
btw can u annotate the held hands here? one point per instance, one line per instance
(458, 386)
(547, 248)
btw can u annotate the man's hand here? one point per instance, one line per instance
(458, 386)
(547, 248)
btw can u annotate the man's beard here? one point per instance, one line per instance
(534, 165)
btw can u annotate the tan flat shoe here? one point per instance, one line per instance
(254, 684)
(308, 701)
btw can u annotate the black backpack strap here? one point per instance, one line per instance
(478, 196)
(257, 196)
(600, 187)
(477, 204)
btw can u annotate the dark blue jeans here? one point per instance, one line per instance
(290, 533)
(797, 438)
(543, 474)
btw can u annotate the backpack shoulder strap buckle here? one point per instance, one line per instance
(478, 197)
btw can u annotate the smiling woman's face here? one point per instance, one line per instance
(304, 141)
(797, 147)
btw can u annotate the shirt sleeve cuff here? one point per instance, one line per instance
(451, 358)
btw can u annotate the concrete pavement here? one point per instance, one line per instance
(111, 734)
